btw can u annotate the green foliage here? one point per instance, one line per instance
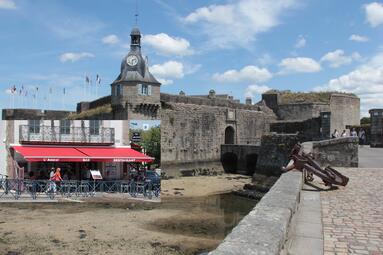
(151, 141)
(365, 120)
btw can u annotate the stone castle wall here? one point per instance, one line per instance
(34, 114)
(192, 133)
(301, 111)
(345, 111)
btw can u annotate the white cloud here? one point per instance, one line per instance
(299, 65)
(165, 81)
(166, 72)
(238, 23)
(168, 45)
(248, 73)
(337, 58)
(253, 90)
(110, 39)
(358, 38)
(73, 57)
(366, 81)
(265, 59)
(301, 42)
(374, 13)
(7, 4)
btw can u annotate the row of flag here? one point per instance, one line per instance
(88, 80)
(33, 96)
(24, 91)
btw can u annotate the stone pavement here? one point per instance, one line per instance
(352, 216)
(370, 157)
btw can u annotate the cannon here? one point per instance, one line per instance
(305, 163)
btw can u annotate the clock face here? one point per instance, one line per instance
(132, 60)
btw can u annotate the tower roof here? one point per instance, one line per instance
(133, 66)
(135, 31)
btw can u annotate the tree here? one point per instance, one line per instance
(151, 141)
(365, 120)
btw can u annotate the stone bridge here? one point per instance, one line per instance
(239, 158)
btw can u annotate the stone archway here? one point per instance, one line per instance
(229, 135)
(229, 162)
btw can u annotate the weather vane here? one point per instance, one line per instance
(136, 14)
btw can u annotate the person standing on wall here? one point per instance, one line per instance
(335, 134)
(362, 136)
(353, 133)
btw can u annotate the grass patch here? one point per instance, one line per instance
(89, 114)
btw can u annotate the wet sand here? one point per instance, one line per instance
(181, 224)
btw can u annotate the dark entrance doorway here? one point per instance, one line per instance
(229, 135)
(229, 162)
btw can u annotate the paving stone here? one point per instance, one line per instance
(352, 216)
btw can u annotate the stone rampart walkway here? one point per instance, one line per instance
(352, 216)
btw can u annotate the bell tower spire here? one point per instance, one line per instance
(135, 35)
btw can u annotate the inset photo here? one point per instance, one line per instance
(80, 160)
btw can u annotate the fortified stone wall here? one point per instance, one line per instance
(307, 130)
(192, 134)
(345, 111)
(339, 152)
(274, 153)
(301, 111)
(34, 114)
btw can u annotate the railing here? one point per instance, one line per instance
(52, 134)
(34, 189)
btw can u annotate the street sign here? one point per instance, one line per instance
(136, 137)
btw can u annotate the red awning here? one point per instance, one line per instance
(47, 153)
(104, 154)
(80, 154)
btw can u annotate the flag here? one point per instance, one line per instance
(13, 89)
(98, 79)
(64, 91)
(87, 80)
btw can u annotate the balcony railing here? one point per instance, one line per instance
(52, 134)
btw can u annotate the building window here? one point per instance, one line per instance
(144, 89)
(34, 126)
(94, 126)
(65, 127)
(118, 90)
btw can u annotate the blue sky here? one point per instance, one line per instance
(241, 47)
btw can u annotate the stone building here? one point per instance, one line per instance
(72, 145)
(315, 115)
(376, 139)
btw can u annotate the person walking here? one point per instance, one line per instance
(335, 134)
(56, 179)
(362, 137)
(353, 133)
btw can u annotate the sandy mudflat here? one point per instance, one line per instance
(119, 225)
(203, 185)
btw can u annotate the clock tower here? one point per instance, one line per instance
(135, 92)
